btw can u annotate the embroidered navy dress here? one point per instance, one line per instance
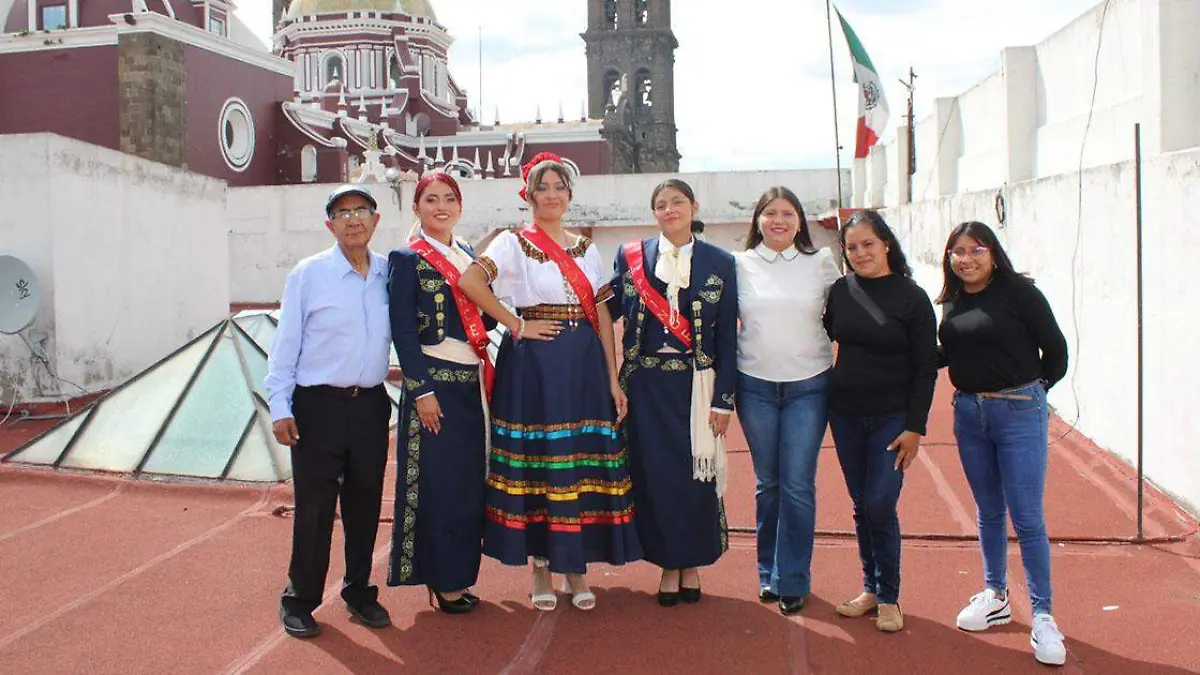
(438, 527)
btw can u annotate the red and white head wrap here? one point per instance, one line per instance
(528, 166)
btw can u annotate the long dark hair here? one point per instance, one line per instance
(686, 189)
(803, 240)
(952, 286)
(897, 262)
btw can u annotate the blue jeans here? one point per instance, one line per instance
(1003, 447)
(874, 485)
(784, 423)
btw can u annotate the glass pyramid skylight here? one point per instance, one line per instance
(201, 412)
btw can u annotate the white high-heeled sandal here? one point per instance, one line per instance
(583, 600)
(546, 601)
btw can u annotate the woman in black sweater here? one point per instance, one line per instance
(1004, 350)
(881, 390)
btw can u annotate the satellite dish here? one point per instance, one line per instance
(20, 295)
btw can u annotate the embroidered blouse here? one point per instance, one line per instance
(523, 276)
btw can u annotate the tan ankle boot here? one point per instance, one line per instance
(859, 606)
(890, 619)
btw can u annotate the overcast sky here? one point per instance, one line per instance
(751, 84)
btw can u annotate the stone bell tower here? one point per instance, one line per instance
(631, 82)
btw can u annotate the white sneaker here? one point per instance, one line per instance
(986, 610)
(1047, 641)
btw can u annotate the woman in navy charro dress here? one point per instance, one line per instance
(558, 482)
(679, 299)
(441, 453)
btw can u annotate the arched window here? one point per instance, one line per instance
(393, 72)
(335, 68)
(612, 87)
(610, 14)
(643, 89)
(308, 164)
(641, 12)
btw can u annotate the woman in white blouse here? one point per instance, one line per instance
(558, 477)
(784, 357)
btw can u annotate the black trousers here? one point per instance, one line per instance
(342, 453)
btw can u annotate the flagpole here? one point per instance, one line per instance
(833, 86)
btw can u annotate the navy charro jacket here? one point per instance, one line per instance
(711, 296)
(423, 312)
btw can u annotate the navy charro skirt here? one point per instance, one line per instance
(558, 482)
(681, 522)
(438, 525)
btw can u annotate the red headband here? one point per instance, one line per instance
(528, 166)
(439, 176)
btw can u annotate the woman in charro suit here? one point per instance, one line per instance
(441, 342)
(678, 295)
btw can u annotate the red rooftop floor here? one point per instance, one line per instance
(107, 575)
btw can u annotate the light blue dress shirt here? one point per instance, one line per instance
(333, 329)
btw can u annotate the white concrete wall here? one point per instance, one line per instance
(981, 158)
(271, 228)
(131, 253)
(26, 191)
(1069, 67)
(1036, 116)
(1085, 264)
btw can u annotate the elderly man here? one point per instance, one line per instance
(325, 387)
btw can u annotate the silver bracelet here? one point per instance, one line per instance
(520, 328)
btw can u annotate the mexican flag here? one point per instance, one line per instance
(872, 106)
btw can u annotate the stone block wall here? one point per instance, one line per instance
(152, 81)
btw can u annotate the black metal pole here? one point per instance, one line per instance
(1137, 173)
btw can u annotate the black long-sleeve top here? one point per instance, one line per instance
(887, 356)
(1002, 337)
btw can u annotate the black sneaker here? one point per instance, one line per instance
(371, 614)
(297, 624)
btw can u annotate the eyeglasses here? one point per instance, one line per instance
(963, 252)
(362, 213)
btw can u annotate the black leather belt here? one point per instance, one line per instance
(345, 392)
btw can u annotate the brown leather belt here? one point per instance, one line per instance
(1003, 395)
(554, 312)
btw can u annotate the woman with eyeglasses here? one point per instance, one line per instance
(784, 357)
(558, 482)
(1004, 350)
(881, 389)
(679, 299)
(441, 342)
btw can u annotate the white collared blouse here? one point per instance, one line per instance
(781, 299)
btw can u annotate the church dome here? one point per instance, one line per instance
(299, 8)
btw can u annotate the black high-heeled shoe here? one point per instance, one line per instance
(460, 605)
(668, 598)
(689, 595)
(471, 597)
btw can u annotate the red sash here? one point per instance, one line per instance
(570, 271)
(675, 322)
(472, 321)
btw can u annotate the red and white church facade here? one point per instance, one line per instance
(350, 90)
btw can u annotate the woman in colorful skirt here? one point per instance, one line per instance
(441, 342)
(558, 481)
(679, 299)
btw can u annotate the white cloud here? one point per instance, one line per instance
(752, 77)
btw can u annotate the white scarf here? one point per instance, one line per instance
(674, 266)
(708, 451)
